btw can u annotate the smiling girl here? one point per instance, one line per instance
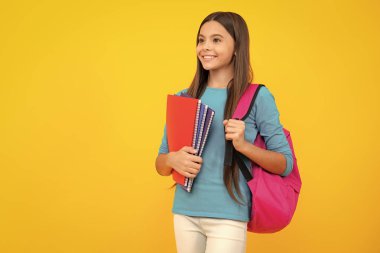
(213, 216)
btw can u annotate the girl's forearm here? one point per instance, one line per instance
(269, 160)
(162, 166)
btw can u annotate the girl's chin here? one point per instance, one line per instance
(208, 66)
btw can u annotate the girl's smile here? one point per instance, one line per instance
(208, 58)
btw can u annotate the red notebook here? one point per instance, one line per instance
(181, 117)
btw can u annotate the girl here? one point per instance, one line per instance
(213, 216)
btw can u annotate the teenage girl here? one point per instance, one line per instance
(213, 216)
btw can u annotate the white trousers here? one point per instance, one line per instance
(209, 235)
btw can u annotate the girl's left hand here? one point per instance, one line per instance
(235, 131)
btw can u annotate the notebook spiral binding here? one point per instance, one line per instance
(186, 187)
(191, 180)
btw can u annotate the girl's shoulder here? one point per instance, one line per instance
(264, 93)
(265, 102)
(264, 98)
(183, 90)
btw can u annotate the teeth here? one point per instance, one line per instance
(208, 57)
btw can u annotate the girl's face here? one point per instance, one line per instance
(215, 47)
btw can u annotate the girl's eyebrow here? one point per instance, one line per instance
(212, 35)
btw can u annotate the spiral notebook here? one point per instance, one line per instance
(188, 122)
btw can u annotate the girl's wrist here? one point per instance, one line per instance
(243, 147)
(168, 159)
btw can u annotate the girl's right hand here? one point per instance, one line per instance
(185, 162)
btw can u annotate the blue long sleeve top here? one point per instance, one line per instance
(209, 196)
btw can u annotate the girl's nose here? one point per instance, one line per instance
(207, 45)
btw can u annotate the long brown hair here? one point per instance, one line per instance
(243, 76)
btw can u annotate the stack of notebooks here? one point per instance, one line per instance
(188, 122)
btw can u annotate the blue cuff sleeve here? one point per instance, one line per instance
(289, 165)
(270, 127)
(164, 143)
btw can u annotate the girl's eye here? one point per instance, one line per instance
(215, 40)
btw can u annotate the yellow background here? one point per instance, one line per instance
(83, 90)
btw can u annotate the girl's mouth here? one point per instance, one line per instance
(208, 57)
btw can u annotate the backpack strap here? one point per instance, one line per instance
(241, 112)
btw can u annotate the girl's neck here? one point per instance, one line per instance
(219, 78)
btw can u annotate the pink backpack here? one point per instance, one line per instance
(274, 197)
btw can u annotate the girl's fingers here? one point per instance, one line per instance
(234, 121)
(233, 130)
(234, 124)
(192, 171)
(229, 136)
(232, 136)
(194, 158)
(189, 175)
(195, 166)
